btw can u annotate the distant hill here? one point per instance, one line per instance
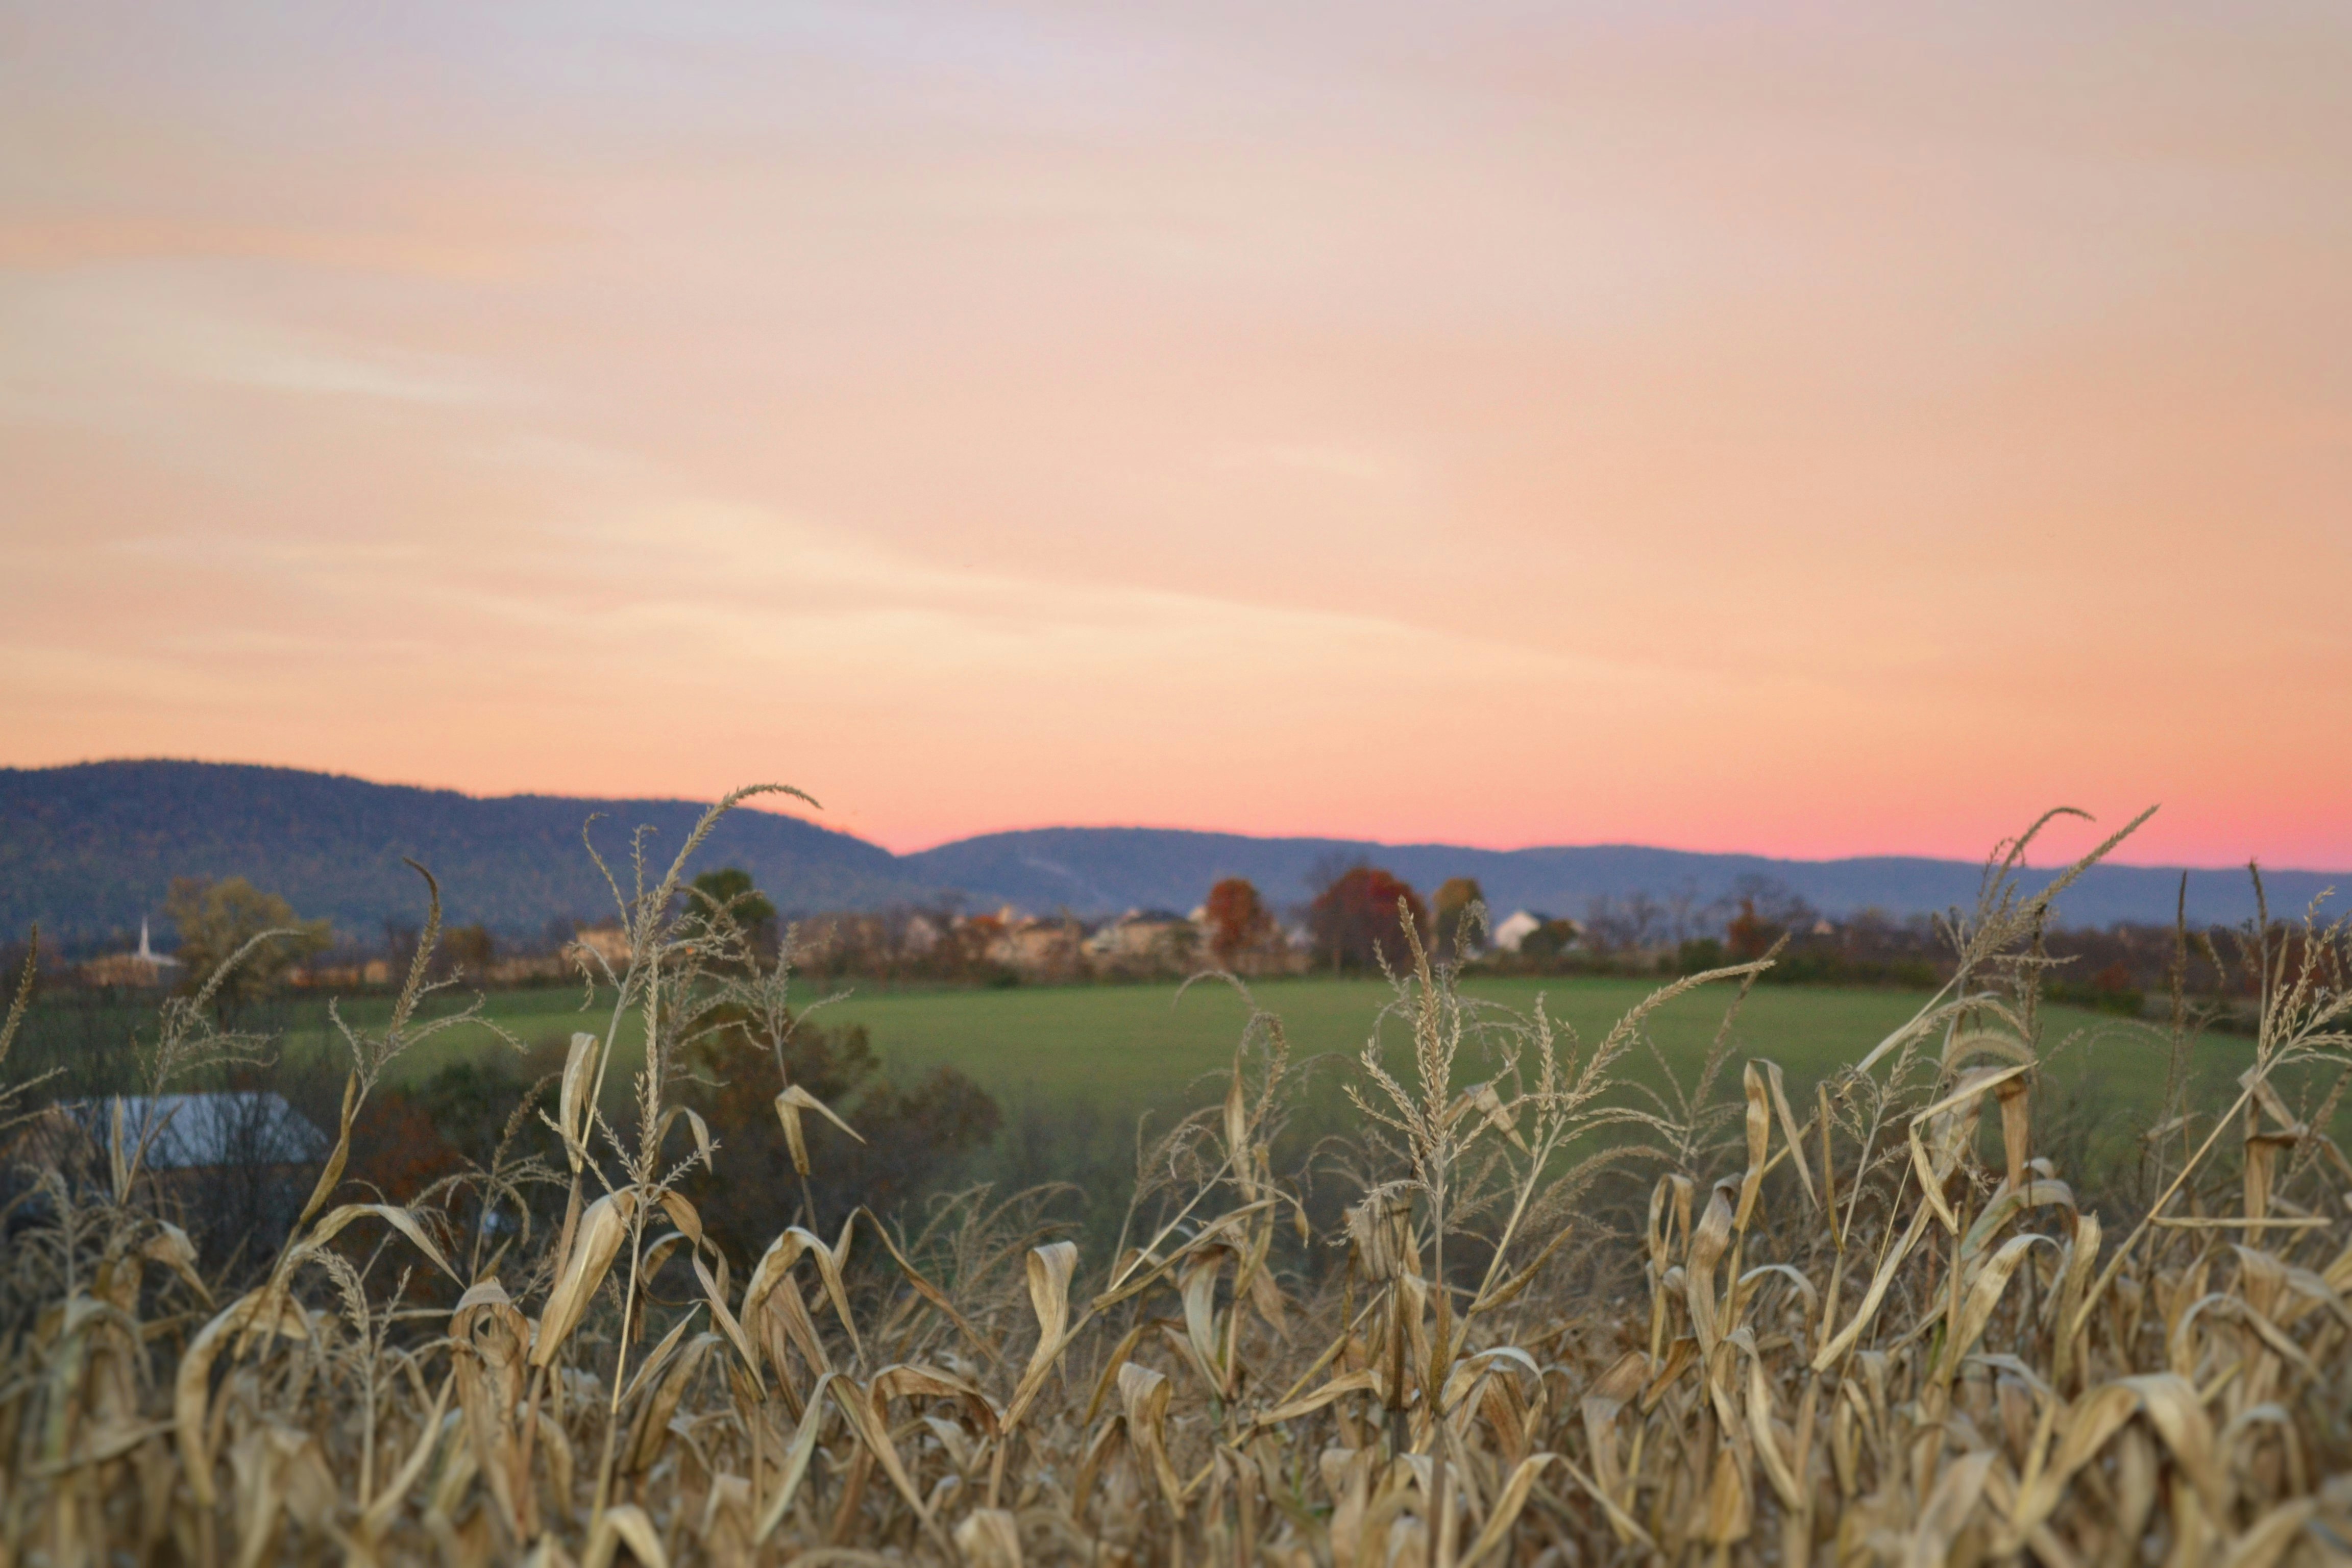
(88, 850)
(1089, 868)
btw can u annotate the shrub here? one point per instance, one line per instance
(905, 1140)
(1698, 954)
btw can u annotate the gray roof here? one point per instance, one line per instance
(194, 1131)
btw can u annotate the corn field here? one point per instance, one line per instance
(1570, 1316)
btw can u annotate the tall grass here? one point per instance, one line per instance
(1563, 1318)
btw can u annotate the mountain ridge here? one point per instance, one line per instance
(1040, 867)
(88, 848)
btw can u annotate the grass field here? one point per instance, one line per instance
(1124, 1049)
(1143, 1044)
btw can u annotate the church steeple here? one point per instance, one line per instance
(146, 954)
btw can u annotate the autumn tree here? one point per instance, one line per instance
(470, 950)
(217, 919)
(1767, 908)
(1357, 923)
(729, 895)
(1237, 919)
(1455, 899)
(1749, 936)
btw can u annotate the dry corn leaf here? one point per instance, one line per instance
(861, 1408)
(2174, 1410)
(1848, 1336)
(1050, 1269)
(649, 1428)
(1307, 1405)
(2266, 1540)
(1789, 1130)
(1781, 1468)
(573, 1108)
(2006, 1204)
(714, 1294)
(1759, 1125)
(777, 1262)
(1984, 1292)
(789, 1103)
(404, 1221)
(387, 1501)
(1948, 1510)
(796, 1457)
(1707, 1246)
(933, 1294)
(907, 1380)
(1508, 1503)
(171, 1248)
(263, 1312)
(603, 1228)
(1143, 1403)
(989, 1538)
(1199, 1290)
(624, 1522)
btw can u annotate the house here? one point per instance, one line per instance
(922, 934)
(608, 942)
(1038, 947)
(1145, 937)
(1509, 933)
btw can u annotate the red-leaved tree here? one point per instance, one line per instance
(1357, 923)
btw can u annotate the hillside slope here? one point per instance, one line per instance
(89, 850)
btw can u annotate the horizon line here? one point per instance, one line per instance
(1130, 826)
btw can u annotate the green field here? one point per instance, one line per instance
(1126, 1049)
(1119, 1051)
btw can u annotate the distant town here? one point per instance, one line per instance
(1363, 921)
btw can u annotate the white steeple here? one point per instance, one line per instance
(148, 954)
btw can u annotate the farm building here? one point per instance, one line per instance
(181, 1132)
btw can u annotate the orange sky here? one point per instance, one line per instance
(1792, 429)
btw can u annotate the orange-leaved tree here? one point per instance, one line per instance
(1455, 899)
(1237, 919)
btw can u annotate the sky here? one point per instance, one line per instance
(1810, 429)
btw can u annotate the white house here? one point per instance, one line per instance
(1508, 933)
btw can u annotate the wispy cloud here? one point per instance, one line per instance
(74, 340)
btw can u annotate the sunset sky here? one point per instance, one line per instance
(1809, 429)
